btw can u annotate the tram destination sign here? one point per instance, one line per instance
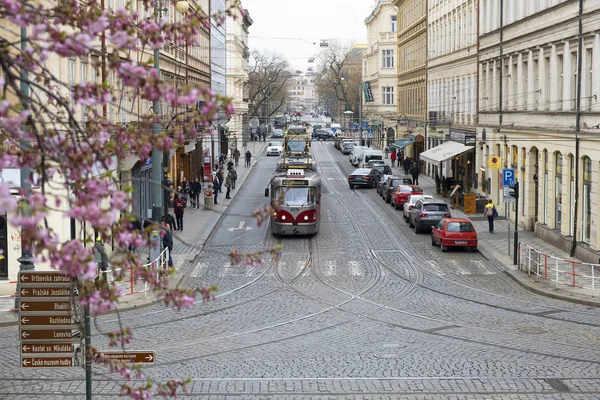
(147, 357)
(294, 182)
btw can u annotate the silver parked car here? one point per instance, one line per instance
(411, 201)
(427, 213)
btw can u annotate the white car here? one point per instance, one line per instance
(410, 203)
(274, 149)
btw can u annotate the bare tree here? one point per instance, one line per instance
(339, 78)
(267, 82)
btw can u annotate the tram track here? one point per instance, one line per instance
(366, 202)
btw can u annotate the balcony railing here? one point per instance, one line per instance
(387, 36)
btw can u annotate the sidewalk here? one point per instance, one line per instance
(495, 248)
(197, 226)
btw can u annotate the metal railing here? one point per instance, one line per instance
(133, 285)
(573, 273)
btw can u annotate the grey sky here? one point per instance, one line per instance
(290, 27)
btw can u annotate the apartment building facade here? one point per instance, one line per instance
(533, 117)
(452, 90)
(238, 55)
(379, 70)
(412, 76)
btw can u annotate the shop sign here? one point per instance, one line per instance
(461, 136)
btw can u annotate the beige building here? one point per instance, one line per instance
(379, 70)
(529, 115)
(452, 89)
(412, 74)
(238, 55)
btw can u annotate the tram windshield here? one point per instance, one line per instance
(296, 196)
(296, 146)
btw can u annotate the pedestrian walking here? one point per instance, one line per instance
(185, 186)
(393, 157)
(215, 183)
(228, 185)
(170, 221)
(221, 178)
(491, 213)
(178, 207)
(233, 174)
(387, 151)
(195, 189)
(222, 159)
(236, 157)
(167, 239)
(414, 172)
(406, 164)
(248, 158)
(100, 258)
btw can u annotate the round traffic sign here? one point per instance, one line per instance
(494, 162)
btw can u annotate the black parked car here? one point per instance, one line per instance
(321, 134)
(364, 177)
(390, 184)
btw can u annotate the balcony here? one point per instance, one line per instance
(387, 37)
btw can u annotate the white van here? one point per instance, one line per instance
(337, 127)
(357, 155)
(371, 154)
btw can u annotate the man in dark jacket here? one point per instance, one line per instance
(406, 164)
(415, 171)
(248, 158)
(236, 157)
(195, 189)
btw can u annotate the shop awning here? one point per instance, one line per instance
(444, 151)
(402, 143)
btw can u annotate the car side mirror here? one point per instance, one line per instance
(266, 192)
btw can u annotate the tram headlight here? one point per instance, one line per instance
(283, 217)
(306, 217)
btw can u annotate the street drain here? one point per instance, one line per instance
(387, 356)
(558, 385)
(393, 345)
(532, 330)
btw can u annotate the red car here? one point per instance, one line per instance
(454, 232)
(402, 193)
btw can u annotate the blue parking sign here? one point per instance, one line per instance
(508, 177)
(370, 130)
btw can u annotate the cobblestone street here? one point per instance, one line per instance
(366, 309)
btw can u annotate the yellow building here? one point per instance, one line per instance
(412, 73)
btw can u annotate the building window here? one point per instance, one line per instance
(71, 78)
(587, 199)
(558, 160)
(388, 95)
(394, 23)
(388, 58)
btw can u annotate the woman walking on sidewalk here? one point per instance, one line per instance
(178, 206)
(393, 158)
(228, 185)
(491, 213)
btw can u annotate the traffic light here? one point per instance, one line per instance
(514, 190)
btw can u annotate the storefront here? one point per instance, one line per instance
(454, 160)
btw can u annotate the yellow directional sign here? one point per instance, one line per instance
(494, 162)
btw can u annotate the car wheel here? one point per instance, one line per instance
(474, 249)
(442, 247)
(388, 199)
(351, 186)
(410, 224)
(417, 230)
(433, 243)
(396, 206)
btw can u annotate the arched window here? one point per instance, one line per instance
(586, 201)
(558, 162)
